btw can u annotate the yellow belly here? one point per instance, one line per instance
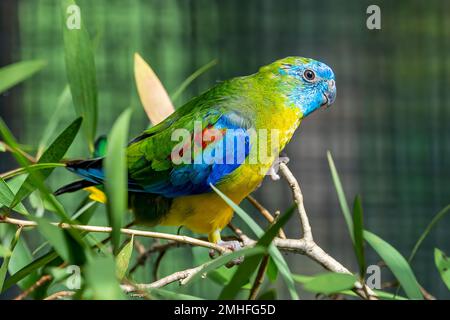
(208, 212)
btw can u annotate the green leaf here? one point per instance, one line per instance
(7, 196)
(116, 184)
(341, 195)
(443, 265)
(31, 167)
(191, 78)
(163, 294)
(18, 72)
(61, 241)
(81, 73)
(358, 228)
(62, 104)
(379, 293)
(329, 283)
(54, 153)
(281, 264)
(272, 270)
(250, 265)
(300, 278)
(4, 252)
(37, 181)
(123, 259)
(441, 214)
(28, 269)
(35, 176)
(268, 295)
(6, 260)
(396, 263)
(101, 278)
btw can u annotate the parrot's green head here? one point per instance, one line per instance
(307, 83)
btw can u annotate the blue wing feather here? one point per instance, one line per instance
(194, 178)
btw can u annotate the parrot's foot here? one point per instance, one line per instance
(273, 171)
(230, 245)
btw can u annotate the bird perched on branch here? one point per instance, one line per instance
(228, 137)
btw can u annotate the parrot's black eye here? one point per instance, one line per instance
(309, 75)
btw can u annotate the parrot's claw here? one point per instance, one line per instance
(273, 171)
(232, 246)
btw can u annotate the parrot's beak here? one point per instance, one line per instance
(330, 94)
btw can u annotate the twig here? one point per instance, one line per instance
(181, 276)
(259, 278)
(426, 294)
(306, 244)
(298, 198)
(23, 153)
(60, 294)
(142, 233)
(158, 263)
(265, 213)
(44, 279)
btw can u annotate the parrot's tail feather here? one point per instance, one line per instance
(74, 186)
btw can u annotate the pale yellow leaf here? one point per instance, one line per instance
(154, 97)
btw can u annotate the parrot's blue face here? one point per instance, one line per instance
(312, 83)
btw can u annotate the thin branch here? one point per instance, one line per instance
(181, 276)
(298, 198)
(259, 278)
(23, 153)
(158, 263)
(306, 244)
(265, 213)
(59, 295)
(141, 233)
(43, 280)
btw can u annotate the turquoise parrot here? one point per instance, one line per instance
(228, 137)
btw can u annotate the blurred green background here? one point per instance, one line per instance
(388, 129)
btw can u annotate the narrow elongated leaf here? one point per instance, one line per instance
(396, 263)
(164, 294)
(63, 244)
(358, 229)
(153, 96)
(63, 103)
(443, 265)
(37, 180)
(80, 68)
(341, 195)
(116, 176)
(191, 78)
(123, 259)
(250, 265)
(7, 196)
(28, 269)
(278, 259)
(18, 72)
(441, 214)
(4, 252)
(272, 270)
(379, 293)
(53, 153)
(101, 278)
(31, 167)
(329, 283)
(6, 260)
